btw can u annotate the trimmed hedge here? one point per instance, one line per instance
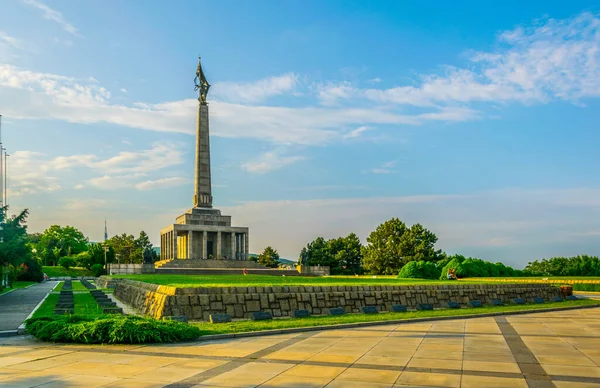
(116, 329)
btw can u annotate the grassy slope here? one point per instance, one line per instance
(246, 326)
(62, 272)
(265, 280)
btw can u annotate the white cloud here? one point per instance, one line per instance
(254, 92)
(8, 46)
(26, 94)
(53, 15)
(161, 183)
(357, 132)
(554, 59)
(123, 90)
(39, 173)
(331, 94)
(385, 168)
(269, 161)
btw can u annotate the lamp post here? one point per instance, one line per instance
(106, 248)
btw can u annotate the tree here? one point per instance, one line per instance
(125, 248)
(269, 258)
(393, 244)
(15, 251)
(341, 255)
(57, 242)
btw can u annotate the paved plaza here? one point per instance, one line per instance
(16, 306)
(559, 349)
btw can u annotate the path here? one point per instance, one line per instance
(16, 306)
(554, 349)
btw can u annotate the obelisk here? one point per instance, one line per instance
(202, 188)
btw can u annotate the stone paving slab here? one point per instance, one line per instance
(16, 306)
(551, 349)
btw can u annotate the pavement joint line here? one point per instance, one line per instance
(535, 375)
(21, 328)
(212, 337)
(237, 362)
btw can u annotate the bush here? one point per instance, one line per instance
(98, 270)
(30, 270)
(66, 262)
(123, 329)
(419, 270)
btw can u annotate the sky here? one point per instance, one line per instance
(480, 121)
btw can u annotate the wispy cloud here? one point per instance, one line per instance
(385, 168)
(255, 92)
(9, 45)
(552, 60)
(53, 15)
(270, 161)
(38, 173)
(161, 183)
(357, 132)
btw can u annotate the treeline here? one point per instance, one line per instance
(582, 265)
(396, 249)
(22, 255)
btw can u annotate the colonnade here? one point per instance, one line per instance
(181, 244)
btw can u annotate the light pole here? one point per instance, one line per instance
(105, 247)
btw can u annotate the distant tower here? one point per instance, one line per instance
(105, 231)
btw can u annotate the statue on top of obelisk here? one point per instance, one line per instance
(201, 84)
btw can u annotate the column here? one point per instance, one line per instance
(191, 253)
(232, 251)
(237, 246)
(175, 245)
(204, 244)
(246, 245)
(218, 253)
(162, 247)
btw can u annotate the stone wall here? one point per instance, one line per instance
(130, 269)
(316, 270)
(199, 303)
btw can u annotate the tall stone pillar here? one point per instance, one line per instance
(219, 245)
(204, 245)
(191, 253)
(202, 181)
(232, 252)
(246, 245)
(175, 245)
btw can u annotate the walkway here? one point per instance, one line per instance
(16, 306)
(558, 349)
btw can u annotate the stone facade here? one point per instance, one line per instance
(130, 269)
(239, 302)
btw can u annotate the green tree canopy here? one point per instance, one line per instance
(393, 244)
(269, 258)
(57, 242)
(15, 249)
(342, 255)
(582, 265)
(130, 250)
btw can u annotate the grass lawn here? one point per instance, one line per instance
(266, 280)
(53, 272)
(77, 286)
(85, 304)
(246, 326)
(17, 284)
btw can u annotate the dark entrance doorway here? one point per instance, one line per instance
(209, 249)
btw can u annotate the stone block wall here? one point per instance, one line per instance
(130, 269)
(198, 303)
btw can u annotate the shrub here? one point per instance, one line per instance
(31, 270)
(66, 262)
(98, 270)
(419, 270)
(123, 329)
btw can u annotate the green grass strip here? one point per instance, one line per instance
(84, 302)
(286, 323)
(182, 281)
(76, 286)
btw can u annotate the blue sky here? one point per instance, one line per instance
(479, 121)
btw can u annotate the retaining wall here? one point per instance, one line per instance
(198, 303)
